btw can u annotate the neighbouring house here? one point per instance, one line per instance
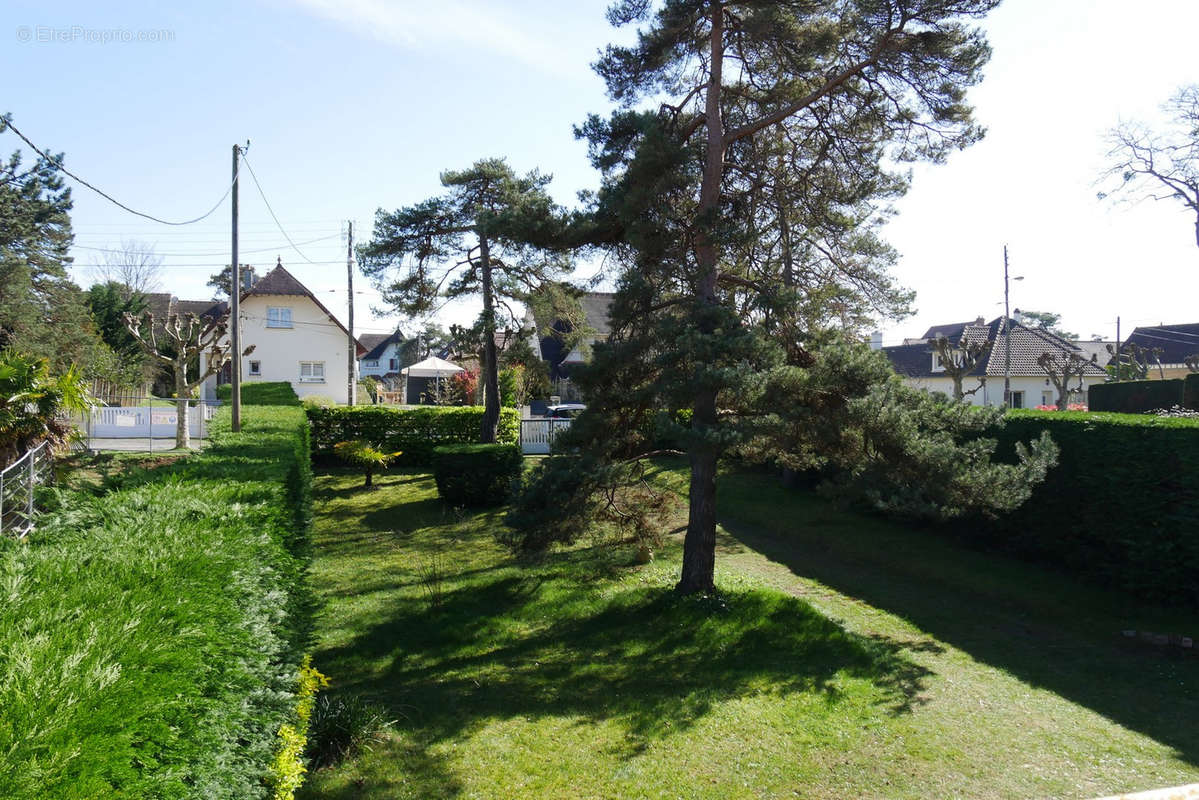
(295, 338)
(384, 356)
(1168, 348)
(596, 309)
(919, 363)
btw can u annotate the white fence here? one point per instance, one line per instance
(18, 485)
(135, 427)
(537, 435)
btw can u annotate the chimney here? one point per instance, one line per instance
(980, 321)
(876, 340)
(1017, 317)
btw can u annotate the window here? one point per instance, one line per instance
(374, 362)
(312, 372)
(255, 367)
(1047, 398)
(1017, 399)
(393, 364)
(278, 317)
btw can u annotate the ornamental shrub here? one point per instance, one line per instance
(1121, 507)
(414, 431)
(476, 474)
(361, 454)
(1135, 397)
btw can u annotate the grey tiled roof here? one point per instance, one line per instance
(1177, 342)
(376, 343)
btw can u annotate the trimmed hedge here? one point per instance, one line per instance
(1135, 397)
(414, 432)
(152, 631)
(476, 474)
(1121, 507)
(1190, 391)
(270, 393)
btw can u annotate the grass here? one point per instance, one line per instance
(845, 657)
(151, 626)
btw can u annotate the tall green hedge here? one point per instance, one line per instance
(412, 431)
(261, 393)
(1190, 391)
(1135, 397)
(151, 631)
(1121, 507)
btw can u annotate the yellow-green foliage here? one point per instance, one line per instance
(287, 770)
(361, 454)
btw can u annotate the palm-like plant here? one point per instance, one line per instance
(365, 455)
(34, 404)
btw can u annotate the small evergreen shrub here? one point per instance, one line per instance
(476, 474)
(1135, 397)
(360, 454)
(412, 431)
(271, 393)
(342, 727)
(287, 770)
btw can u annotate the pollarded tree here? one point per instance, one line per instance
(474, 240)
(179, 341)
(959, 361)
(767, 104)
(1062, 368)
(1162, 165)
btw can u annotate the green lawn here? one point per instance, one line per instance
(848, 658)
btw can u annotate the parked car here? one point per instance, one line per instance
(564, 411)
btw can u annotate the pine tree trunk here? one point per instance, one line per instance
(699, 545)
(182, 433)
(491, 380)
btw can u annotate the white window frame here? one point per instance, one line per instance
(374, 362)
(278, 317)
(255, 367)
(316, 372)
(1022, 395)
(393, 364)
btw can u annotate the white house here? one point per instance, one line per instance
(383, 358)
(919, 364)
(296, 339)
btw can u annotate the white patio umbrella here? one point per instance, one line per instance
(432, 367)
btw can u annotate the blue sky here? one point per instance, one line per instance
(354, 104)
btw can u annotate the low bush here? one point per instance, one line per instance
(412, 431)
(152, 631)
(1190, 391)
(368, 458)
(1135, 397)
(1121, 507)
(342, 727)
(476, 474)
(271, 393)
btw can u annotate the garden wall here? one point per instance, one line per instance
(414, 432)
(1122, 506)
(151, 632)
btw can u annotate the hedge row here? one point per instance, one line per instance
(1122, 506)
(151, 632)
(476, 474)
(261, 393)
(1140, 397)
(414, 432)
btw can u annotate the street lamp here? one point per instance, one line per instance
(1007, 341)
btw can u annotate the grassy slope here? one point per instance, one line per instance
(854, 658)
(145, 645)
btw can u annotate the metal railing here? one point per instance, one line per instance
(18, 486)
(144, 424)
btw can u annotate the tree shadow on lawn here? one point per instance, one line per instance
(1043, 628)
(532, 644)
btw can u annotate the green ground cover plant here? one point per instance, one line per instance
(152, 627)
(846, 656)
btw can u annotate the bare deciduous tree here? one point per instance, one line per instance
(959, 361)
(1161, 165)
(135, 266)
(1062, 367)
(188, 336)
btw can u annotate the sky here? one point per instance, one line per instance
(354, 105)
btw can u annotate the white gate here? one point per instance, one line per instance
(537, 435)
(155, 422)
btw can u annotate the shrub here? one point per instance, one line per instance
(360, 454)
(341, 727)
(413, 431)
(476, 474)
(153, 647)
(318, 401)
(1122, 506)
(270, 393)
(287, 770)
(1190, 391)
(1135, 397)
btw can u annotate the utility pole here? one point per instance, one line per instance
(351, 354)
(1118, 368)
(1007, 340)
(235, 308)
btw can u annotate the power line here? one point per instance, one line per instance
(58, 165)
(222, 252)
(262, 194)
